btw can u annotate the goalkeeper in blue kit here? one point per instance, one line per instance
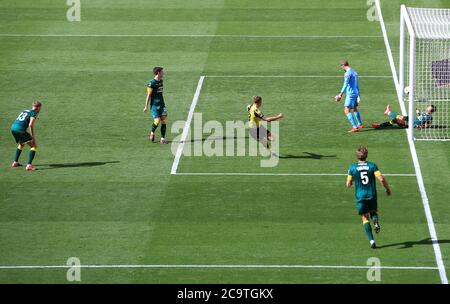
(351, 90)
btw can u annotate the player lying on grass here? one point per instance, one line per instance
(363, 174)
(26, 120)
(351, 90)
(422, 120)
(255, 116)
(158, 108)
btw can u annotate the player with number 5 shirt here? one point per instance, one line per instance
(363, 174)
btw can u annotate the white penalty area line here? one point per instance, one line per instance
(278, 174)
(157, 266)
(196, 36)
(187, 125)
(412, 147)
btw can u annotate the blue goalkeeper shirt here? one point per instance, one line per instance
(350, 87)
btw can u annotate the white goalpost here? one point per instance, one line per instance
(424, 71)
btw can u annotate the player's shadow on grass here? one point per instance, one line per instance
(411, 244)
(308, 155)
(76, 165)
(382, 129)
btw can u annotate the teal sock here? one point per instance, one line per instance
(351, 119)
(358, 118)
(31, 155)
(392, 115)
(163, 130)
(154, 127)
(368, 230)
(374, 216)
(18, 152)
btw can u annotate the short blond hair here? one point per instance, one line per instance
(36, 104)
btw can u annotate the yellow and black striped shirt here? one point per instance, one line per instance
(254, 116)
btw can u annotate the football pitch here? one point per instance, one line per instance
(133, 212)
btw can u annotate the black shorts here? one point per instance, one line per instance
(21, 137)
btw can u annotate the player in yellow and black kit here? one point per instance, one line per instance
(255, 116)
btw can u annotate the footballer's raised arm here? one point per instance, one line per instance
(272, 118)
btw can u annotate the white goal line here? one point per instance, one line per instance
(251, 266)
(279, 174)
(415, 158)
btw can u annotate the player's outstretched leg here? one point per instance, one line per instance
(391, 114)
(383, 125)
(16, 158)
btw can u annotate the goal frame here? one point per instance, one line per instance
(407, 62)
(406, 24)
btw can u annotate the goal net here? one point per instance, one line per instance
(424, 73)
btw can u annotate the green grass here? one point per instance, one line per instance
(104, 194)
